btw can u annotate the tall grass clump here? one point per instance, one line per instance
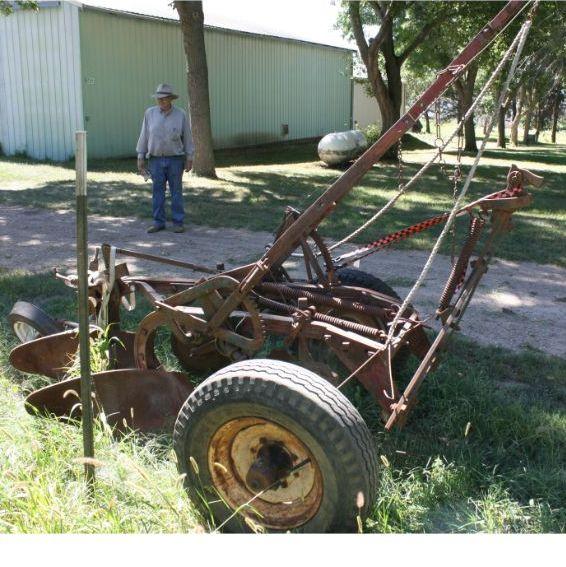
(42, 487)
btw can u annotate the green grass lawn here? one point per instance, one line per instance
(254, 186)
(484, 450)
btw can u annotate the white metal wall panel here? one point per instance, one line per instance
(40, 82)
(366, 109)
(258, 84)
(61, 71)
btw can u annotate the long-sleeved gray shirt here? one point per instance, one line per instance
(165, 133)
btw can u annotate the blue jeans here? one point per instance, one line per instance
(169, 170)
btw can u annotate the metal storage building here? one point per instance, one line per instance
(72, 66)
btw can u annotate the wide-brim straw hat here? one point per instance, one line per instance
(164, 90)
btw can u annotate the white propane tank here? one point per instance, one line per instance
(340, 147)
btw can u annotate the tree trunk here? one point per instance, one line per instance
(528, 116)
(380, 92)
(539, 122)
(388, 92)
(501, 116)
(465, 89)
(394, 83)
(192, 28)
(427, 122)
(517, 117)
(501, 142)
(470, 143)
(555, 113)
(389, 100)
(388, 95)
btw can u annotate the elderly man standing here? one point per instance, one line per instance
(167, 142)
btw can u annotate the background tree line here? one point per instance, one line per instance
(411, 41)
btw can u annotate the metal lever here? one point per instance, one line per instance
(518, 176)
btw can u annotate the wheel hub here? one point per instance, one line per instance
(270, 467)
(263, 469)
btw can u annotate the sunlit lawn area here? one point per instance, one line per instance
(254, 186)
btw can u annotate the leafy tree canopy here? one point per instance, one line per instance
(6, 8)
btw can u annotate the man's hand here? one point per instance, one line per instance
(188, 164)
(141, 165)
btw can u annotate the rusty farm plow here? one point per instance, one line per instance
(270, 438)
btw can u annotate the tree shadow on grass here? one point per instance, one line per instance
(255, 200)
(263, 155)
(551, 155)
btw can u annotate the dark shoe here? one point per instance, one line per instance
(154, 228)
(179, 228)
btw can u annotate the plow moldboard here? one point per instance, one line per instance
(146, 400)
(49, 356)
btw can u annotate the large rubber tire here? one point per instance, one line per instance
(299, 402)
(30, 322)
(359, 278)
(198, 364)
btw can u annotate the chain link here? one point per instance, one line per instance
(439, 142)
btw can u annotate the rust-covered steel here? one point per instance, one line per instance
(259, 454)
(123, 397)
(326, 322)
(50, 356)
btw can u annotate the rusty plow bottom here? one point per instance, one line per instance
(49, 356)
(130, 398)
(144, 400)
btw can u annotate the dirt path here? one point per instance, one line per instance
(518, 304)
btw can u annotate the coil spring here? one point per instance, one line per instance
(348, 325)
(319, 299)
(459, 269)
